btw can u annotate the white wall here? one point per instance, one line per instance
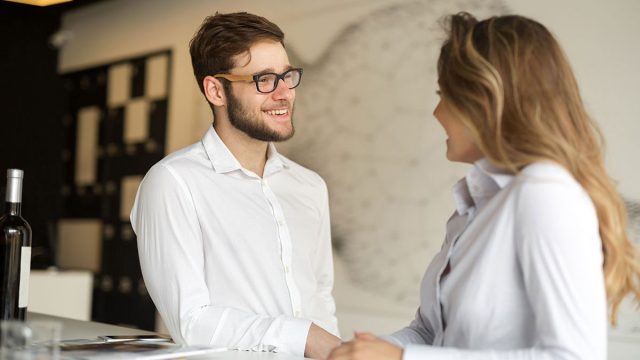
(601, 41)
(599, 37)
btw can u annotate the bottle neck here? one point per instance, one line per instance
(12, 208)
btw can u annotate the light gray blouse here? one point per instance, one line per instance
(519, 275)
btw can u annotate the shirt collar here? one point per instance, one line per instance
(500, 177)
(461, 197)
(223, 160)
(480, 184)
(275, 161)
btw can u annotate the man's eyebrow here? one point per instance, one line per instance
(272, 70)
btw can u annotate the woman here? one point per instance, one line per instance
(537, 243)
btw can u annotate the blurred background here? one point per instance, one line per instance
(93, 92)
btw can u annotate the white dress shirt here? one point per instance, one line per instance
(519, 275)
(231, 259)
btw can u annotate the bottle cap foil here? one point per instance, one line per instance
(14, 185)
(15, 173)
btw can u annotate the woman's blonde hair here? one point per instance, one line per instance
(510, 83)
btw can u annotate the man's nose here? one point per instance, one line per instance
(282, 92)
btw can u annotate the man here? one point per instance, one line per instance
(234, 238)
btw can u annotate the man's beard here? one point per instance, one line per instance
(252, 125)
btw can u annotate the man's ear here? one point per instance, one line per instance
(213, 91)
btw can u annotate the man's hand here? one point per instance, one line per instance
(366, 346)
(319, 343)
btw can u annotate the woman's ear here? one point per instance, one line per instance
(213, 91)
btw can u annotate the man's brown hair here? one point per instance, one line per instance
(223, 36)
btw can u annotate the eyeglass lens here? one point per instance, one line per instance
(269, 82)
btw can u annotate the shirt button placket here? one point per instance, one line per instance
(285, 245)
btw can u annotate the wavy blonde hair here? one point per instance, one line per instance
(510, 83)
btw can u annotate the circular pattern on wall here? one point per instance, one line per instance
(363, 122)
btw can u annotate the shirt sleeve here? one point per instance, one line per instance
(560, 253)
(323, 267)
(170, 247)
(418, 332)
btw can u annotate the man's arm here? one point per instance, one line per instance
(323, 334)
(324, 274)
(170, 247)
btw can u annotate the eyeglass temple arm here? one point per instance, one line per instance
(231, 77)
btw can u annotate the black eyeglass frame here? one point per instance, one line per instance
(255, 78)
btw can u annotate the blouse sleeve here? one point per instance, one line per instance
(560, 255)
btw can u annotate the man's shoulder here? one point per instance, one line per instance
(189, 156)
(180, 163)
(302, 173)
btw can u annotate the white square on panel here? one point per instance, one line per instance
(128, 192)
(61, 293)
(79, 244)
(156, 76)
(136, 121)
(119, 84)
(87, 145)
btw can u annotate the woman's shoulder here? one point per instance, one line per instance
(546, 170)
(540, 177)
(547, 192)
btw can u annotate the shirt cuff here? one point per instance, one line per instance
(391, 339)
(294, 336)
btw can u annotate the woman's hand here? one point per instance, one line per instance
(366, 346)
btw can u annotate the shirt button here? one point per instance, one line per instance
(286, 269)
(297, 313)
(281, 222)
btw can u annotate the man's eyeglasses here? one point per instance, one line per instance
(268, 82)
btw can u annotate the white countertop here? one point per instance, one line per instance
(77, 329)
